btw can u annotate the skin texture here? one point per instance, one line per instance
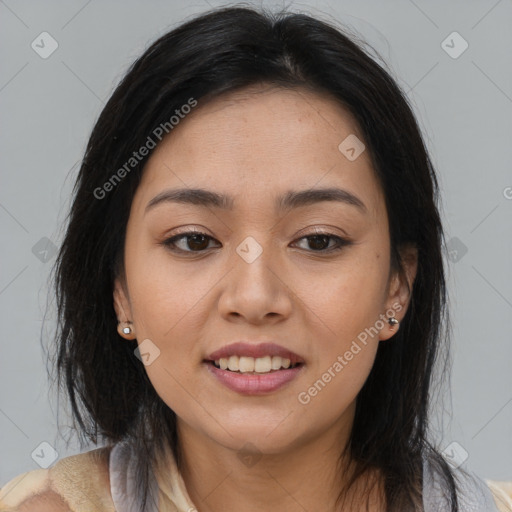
(256, 145)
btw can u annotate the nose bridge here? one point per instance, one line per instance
(255, 288)
(252, 261)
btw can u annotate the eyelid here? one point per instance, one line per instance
(186, 229)
(322, 231)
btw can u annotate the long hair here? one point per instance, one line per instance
(224, 50)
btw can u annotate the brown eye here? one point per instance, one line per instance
(319, 242)
(197, 242)
(190, 242)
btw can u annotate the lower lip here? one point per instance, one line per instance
(248, 384)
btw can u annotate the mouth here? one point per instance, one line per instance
(248, 357)
(251, 369)
(253, 366)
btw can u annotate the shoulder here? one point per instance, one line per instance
(72, 483)
(502, 493)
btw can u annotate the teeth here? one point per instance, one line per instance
(263, 364)
(276, 362)
(246, 364)
(252, 365)
(233, 363)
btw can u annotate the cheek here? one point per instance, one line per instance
(165, 294)
(344, 301)
(169, 311)
(342, 361)
(168, 307)
(333, 390)
(344, 311)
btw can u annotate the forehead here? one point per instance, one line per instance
(259, 143)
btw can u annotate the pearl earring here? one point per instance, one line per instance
(127, 330)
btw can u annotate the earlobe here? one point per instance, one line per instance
(125, 329)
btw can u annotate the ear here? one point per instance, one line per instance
(123, 309)
(400, 288)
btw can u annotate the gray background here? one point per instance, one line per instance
(48, 107)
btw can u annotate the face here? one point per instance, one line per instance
(311, 276)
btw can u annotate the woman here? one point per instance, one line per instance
(251, 287)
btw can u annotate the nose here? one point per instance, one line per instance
(255, 289)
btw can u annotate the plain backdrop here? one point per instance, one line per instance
(461, 96)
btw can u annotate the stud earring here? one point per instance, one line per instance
(124, 328)
(393, 321)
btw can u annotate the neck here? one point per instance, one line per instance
(306, 476)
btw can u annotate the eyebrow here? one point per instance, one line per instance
(290, 200)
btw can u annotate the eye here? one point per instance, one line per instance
(197, 242)
(320, 242)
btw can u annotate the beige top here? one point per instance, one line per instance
(85, 484)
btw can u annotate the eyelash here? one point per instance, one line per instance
(340, 242)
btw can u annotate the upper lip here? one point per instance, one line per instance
(241, 348)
